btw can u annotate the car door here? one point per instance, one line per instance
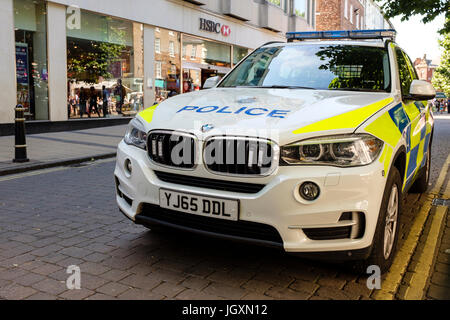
(416, 112)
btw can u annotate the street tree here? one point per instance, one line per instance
(430, 9)
(441, 77)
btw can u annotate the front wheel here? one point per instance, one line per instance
(386, 233)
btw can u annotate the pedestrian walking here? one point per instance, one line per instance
(105, 97)
(93, 103)
(83, 103)
(120, 94)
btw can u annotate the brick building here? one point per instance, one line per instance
(425, 68)
(339, 15)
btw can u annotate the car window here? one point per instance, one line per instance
(411, 66)
(325, 67)
(405, 73)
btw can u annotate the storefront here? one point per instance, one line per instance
(105, 66)
(78, 58)
(31, 58)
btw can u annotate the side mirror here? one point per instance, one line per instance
(421, 90)
(211, 82)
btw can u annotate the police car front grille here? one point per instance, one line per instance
(161, 144)
(231, 186)
(240, 155)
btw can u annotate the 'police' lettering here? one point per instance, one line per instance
(254, 112)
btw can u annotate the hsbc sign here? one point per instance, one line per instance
(215, 27)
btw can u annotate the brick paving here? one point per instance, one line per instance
(57, 219)
(439, 284)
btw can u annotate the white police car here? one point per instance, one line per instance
(307, 145)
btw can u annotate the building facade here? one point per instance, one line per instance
(425, 68)
(374, 17)
(350, 15)
(339, 15)
(64, 58)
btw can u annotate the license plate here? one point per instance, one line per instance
(199, 205)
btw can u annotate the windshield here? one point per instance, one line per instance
(324, 67)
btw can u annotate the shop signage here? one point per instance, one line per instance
(215, 27)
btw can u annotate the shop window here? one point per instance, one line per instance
(167, 66)
(208, 59)
(31, 58)
(105, 60)
(239, 53)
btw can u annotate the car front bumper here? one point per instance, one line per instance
(278, 205)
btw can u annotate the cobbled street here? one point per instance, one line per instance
(53, 219)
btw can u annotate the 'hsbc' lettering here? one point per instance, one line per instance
(216, 27)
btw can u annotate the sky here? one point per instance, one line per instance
(417, 38)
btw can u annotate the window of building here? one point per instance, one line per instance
(351, 13)
(300, 8)
(275, 2)
(105, 66)
(158, 69)
(193, 51)
(31, 58)
(172, 49)
(346, 9)
(158, 45)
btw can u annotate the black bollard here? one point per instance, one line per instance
(21, 145)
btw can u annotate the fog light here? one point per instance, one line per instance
(128, 166)
(309, 191)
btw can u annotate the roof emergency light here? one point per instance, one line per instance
(342, 34)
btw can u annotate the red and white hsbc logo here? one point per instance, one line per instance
(226, 30)
(216, 27)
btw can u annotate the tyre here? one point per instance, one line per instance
(421, 183)
(386, 232)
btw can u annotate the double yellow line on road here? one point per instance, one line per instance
(421, 272)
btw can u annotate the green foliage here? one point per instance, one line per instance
(89, 60)
(441, 78)
(430, 9)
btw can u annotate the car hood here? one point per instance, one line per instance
(277, 114)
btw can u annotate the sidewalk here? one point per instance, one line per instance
(439, 286)
(61, 148)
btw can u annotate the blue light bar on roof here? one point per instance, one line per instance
(342, 34)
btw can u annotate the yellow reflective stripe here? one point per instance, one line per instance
(347, 120)
(386, 159)
(385, 129)
(411, 110)
(147, 114)
(420, 155)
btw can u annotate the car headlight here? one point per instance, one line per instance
(136, 135)
(342, 151)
